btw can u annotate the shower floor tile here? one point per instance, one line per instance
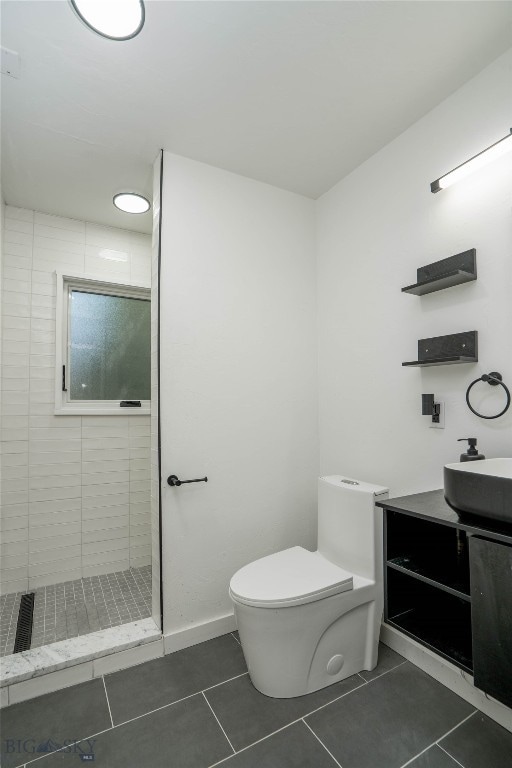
(74, 608)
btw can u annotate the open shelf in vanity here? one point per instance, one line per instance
(437, 592)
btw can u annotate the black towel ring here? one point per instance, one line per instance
(494, 378)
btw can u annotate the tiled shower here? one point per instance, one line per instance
(75, 517)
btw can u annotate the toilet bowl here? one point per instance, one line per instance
(309, 619)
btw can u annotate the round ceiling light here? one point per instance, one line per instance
(115, 19)
(131, 202)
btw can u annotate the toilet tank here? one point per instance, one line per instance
(350, 526)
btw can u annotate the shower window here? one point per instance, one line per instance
(106, 348)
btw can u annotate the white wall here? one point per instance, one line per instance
(238, 397)
(374, 229)
(75, 490)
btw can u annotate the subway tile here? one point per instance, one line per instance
(12, 575)
(104, 489)
(105, 443)
(52, 494)
(52, 481)
(59, 233)
(19, 323)
(59, 222)
(54, 446)
(13, 548)
(49, 422)
(115, 431)
(59, 577)
(14, 561)
(16, 385)
(54, 433)
(109, 545)
(42, 337)
(14, 497)
(59, 540)
(139, 486)
(38, 455)
(55, 555)
(42, 470)
(14, 472)
(103, 523)
(43, 349)
(14, 484)
(90, 503)
(40, 324)
(15, 310)
(13, 523)
(7, 587)
(42, 300)
(15, 422)
(17, 238)
(105, 534)
(103, 511)
(16, 286)
(14, 511)
(95, 467)
(18, 225)
(47, 313)
(101, 478)
(15, 342)
(14, 459)
(54, 567)
(19, 534)
(106, 237)
(39, 533)
(22, 214)
(119, 559)
(20, 260)
(105, 455)
(52, 506)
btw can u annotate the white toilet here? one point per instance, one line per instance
(309, 619)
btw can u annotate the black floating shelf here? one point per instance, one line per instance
(440, 361)
(446, 273)
(453, 349)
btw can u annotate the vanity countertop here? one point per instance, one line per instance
(432, 506)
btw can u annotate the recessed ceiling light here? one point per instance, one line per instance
(115, 19)
(130, 202)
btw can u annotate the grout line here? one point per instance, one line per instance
(449, 755)
(298, 720)
(178, 701)
(235, 637)
(382, 673)
(263, 738)
(219, 723)
(321, 742)
(108, 702)
(439, 739)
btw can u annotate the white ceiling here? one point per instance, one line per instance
(295, 94)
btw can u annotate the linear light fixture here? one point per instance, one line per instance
(474, 163)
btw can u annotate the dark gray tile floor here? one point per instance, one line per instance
(197, 709)
(74, 608)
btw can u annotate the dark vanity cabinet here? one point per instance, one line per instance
(448, 585)
(491, 604)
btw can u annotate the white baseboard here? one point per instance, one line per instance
(449, 675)
(198, 633)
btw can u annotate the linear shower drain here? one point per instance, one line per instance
(25, 620)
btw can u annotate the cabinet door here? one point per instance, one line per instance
(491, 615)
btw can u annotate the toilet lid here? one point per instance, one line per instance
(292, 577)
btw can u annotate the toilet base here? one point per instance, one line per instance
(296, 650)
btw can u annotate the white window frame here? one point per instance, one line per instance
(65, 284)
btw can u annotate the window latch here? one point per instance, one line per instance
(130, 404)
(64, 388)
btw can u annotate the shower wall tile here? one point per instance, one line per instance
(67, 504)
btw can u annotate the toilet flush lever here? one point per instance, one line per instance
(173, 480)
